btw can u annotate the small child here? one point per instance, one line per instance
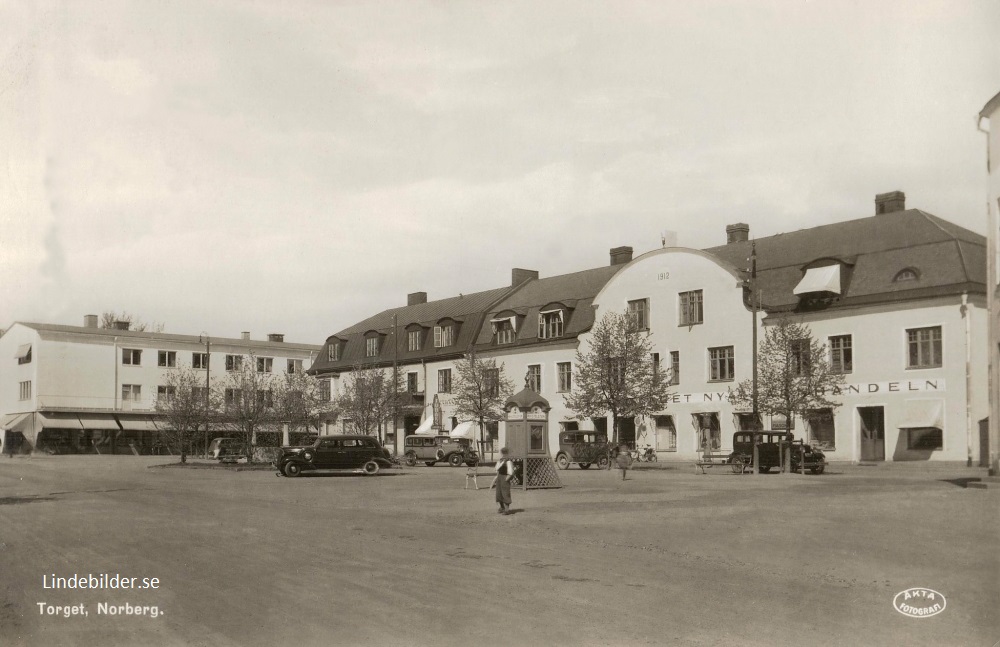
(624, 459)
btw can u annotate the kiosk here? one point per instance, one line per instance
(527, 423)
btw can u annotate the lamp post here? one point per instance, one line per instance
(205, 339)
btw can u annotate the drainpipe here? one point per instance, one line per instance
(114, 406)
(968, 378)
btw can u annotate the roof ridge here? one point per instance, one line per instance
(855, 255)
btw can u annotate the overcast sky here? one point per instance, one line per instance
(298, 166)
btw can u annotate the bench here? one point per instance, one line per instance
(712, 460)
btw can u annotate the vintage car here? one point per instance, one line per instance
(346, 452)
(433, 449)
(584, 448)
(769, 453)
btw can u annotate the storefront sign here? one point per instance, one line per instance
(858, 388)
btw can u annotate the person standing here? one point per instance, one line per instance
(624, 459)
(505, 473)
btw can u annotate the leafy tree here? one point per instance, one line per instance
(616, 374)
(299, 404)
(183, 408)
(794, 377)
(370, 399)
(109, 318)
(480, 392)
(248, 400)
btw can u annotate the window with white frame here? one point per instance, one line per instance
(444, 336)
(709, 433)
(199, 360)
(564, 374)
(639, 311)
(265, 364)
(333, 352)
(444, 380)
(234, 362)
(550, 324)
(371, 346)
(841, 354)
(924, 346)
(491, 382)
(690, 308)
(131, 357)
(165, 393)
(413, 339)
(535, 377)
(324, 390)
(293, 366)
(721, 363)
(675, 367)
(166, 358)
(503, 330)
(25, 390)
(131, 392)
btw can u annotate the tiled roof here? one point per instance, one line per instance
(47, 330)
(948, 258)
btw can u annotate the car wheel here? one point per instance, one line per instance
(292, 469)
(817, 470)
(456, 460)
(584, 466)
(429, 463)
(370, 468)
(410, 459)
(562, 461)
(440, 454)
(737, 464)
(603, 462)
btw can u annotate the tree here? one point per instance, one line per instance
(794, 377)
(617, 374)
(369, 398)
(109, 319)
(299, 404)
(248, 399)
(182, 406)
(480, 392)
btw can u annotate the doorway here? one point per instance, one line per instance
(872, 433)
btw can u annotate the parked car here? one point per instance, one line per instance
(226, 449)
(433, 449)
(768, 451)
(346, 452)
(583, 448)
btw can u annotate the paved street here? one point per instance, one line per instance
(409, 557)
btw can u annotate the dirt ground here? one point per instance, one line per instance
(410, 557)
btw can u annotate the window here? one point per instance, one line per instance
(413, 339)
(265, 398)
(535, 377)
(819, 426)
(564, 373)
(550, 324)
(691, 310)
(503, 331)
(615, 370)
(131, 357)
(294, 366)
(233, 397)
(924, 346)
(666, 434)
(639, 311)
(675, 367)
(333, 352)
(841, 354)
(25, 390)
(444, 380)
(906, 274)
(654, 359)
(444, 336)
(411, 382)
(131, 392)
(721, 362)
(800, 360)
(491, 381)
(166, 358)
(199, 360)
(324, 390)
(371, 347)
(264, 364)
(536, 442)
(234, 362)
(23, 354)
(749, 422)
(199, 393)
(165, 393)
(708, 430)
(924, 438)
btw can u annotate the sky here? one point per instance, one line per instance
(295, 167)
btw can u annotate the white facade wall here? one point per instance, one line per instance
(992, 120)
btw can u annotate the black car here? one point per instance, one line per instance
(584, 448)
(334, 453)
(769, 452)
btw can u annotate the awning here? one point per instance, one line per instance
(464, 430)
(820, 279)
(140, 423)
(23, 351)
(51, 420)
(923, 413)
(16, 421)
(98, 421)
(495, 323)
(426, 426)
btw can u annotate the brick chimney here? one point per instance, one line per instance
(90, 321)
(245, 335)
(276, 337)
(621, 255)
(890, 202)
(737, 233)
(416, 298)
(519, 276)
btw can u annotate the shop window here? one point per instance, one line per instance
(709, 434)
(924, 438)
(821, 430)
(748, 422)
(666, 434)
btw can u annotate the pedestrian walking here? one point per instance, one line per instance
(505, 472)
(624, 459)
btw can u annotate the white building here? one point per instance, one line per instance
(989, 122)
(89, 389)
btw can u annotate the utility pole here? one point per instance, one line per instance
(395, 382)
(208, 373)
(754, 305)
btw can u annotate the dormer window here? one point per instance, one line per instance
(504, 329)
(906, 274)
(444, 335)
(550, 323)
(819, 279)
(333, 350)
(371, 346)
